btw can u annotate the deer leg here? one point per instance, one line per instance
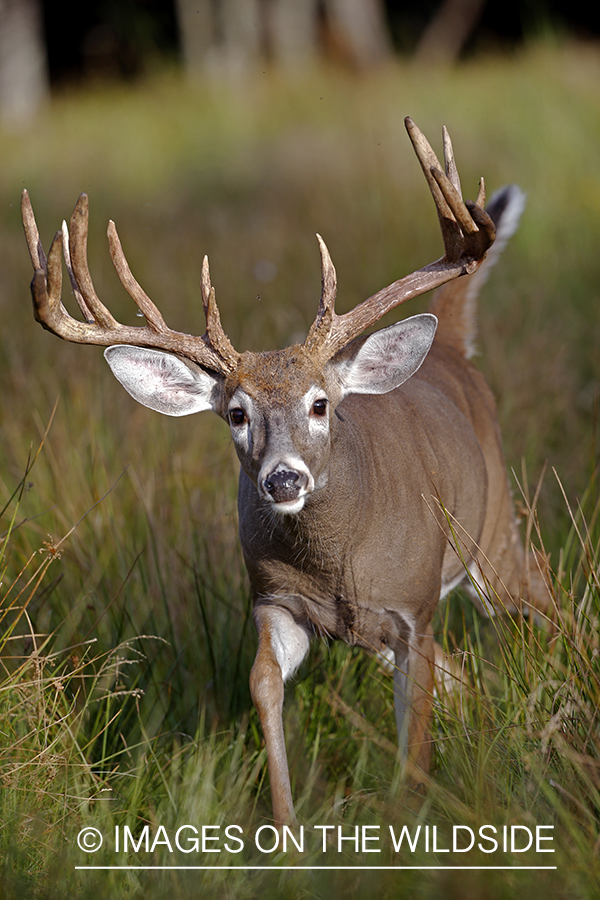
(413, 690)
(282, 645)
(401, 700)
(421, 668)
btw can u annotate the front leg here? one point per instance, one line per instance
(413, 694)
(282, 645)
(421, 668)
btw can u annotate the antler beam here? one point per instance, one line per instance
(467, 232)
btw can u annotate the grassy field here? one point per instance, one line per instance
(126, 631)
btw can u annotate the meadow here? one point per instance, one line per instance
(127, 636)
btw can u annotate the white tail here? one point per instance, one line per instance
(369, 466)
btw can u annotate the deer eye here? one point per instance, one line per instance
(237, 416)
(319, 408)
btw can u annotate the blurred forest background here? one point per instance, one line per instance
(40, 49)
(239, 128)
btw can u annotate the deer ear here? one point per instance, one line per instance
(384, 360)
(163, 382)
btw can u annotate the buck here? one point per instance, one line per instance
(372, 474)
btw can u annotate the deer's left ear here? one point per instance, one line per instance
(384, 360)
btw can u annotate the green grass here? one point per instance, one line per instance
(127, 638)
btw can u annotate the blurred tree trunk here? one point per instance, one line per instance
(23, 69)
(448, 31)
(233, 36)
(196, 21)
(219, 35)
(240, 24)
(292, 33)
(359, 31)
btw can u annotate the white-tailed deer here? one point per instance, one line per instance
(372, 474)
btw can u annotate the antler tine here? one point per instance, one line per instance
(452, 171)
(326, 311)
(429, 162)
(136, 292)
(46, 286)
(444, 186)
(328, 279)
(47, 278)
(32, 235)
(78, 235)
(480, 202)
(457, 207)
(449, 163)
(205, 285)
(467, 232)
(87, 315)
(215, 335)
(213, 350)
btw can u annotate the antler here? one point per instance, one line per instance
(213, 350)
(467, 232)
(466, 228)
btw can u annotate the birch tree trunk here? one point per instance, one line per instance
(24, 81)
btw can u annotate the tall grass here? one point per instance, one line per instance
(127, 640)
(516, 744)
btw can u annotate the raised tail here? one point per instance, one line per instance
(455, 304)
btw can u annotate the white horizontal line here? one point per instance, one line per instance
(320, 868)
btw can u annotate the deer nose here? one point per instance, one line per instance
(284, 484)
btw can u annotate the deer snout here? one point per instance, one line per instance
(285, 484)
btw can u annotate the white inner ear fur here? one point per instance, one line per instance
(386, 358)
(161, 381)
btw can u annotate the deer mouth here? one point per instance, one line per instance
(289, 507)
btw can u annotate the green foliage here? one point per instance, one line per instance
(126, 631)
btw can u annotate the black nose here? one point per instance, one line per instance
(283, 484)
